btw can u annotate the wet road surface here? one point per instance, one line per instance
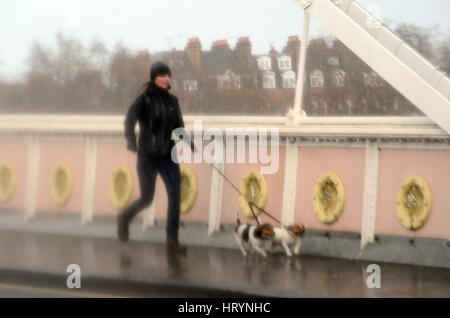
(140, 269)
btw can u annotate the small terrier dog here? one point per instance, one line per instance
(254, 235)
(285, 236)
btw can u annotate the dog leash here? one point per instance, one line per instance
(253, 213)
(249, 202)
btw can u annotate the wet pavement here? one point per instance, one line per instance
(205, 272)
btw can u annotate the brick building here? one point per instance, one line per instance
(235, 81)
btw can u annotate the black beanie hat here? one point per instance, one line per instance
(159, 68)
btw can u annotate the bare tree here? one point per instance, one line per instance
(127, 72)
(1, 76)
(70, 79)
(74, 78)
(420, 38)
(444, 56)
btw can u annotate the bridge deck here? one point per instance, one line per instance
(203, 272)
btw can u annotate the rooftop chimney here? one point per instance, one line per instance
(293, 49)
(220, 46)
(220, 43)
(244, 39)
(194, 53)
(143, 52)
(243, 50)
(319, 41)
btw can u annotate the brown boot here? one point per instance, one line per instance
(122, 229)
(174, 247)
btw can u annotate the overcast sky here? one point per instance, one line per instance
(159, 25)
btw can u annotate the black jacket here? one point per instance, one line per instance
(158, 114)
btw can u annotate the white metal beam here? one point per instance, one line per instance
(298, 104)
(421, 83)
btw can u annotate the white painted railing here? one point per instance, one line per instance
(369, 133)
(301, 126)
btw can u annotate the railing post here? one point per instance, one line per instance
(290, 182)
(370, 194)
(32, 177)
(89, 180)
(215, 201)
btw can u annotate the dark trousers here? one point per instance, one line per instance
(147, 169)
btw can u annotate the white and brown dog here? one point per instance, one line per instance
(286, 236)
(254, 235)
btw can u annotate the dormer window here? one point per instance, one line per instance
(369, 80)
(269, 80)
(284, 63)
(264, 63)
(237, 82)
(316, 79)
(333, 60)
(372, 79)
(229, 81)
(190, 85)
(339, 78)
(288, 79)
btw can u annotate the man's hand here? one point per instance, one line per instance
(193, 148)
(132, 146)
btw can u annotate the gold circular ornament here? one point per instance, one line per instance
(328, 198)
(61, 184)
(120, 187)
(188, 189)
(413, 202)
(7, 181)
(254, 189)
